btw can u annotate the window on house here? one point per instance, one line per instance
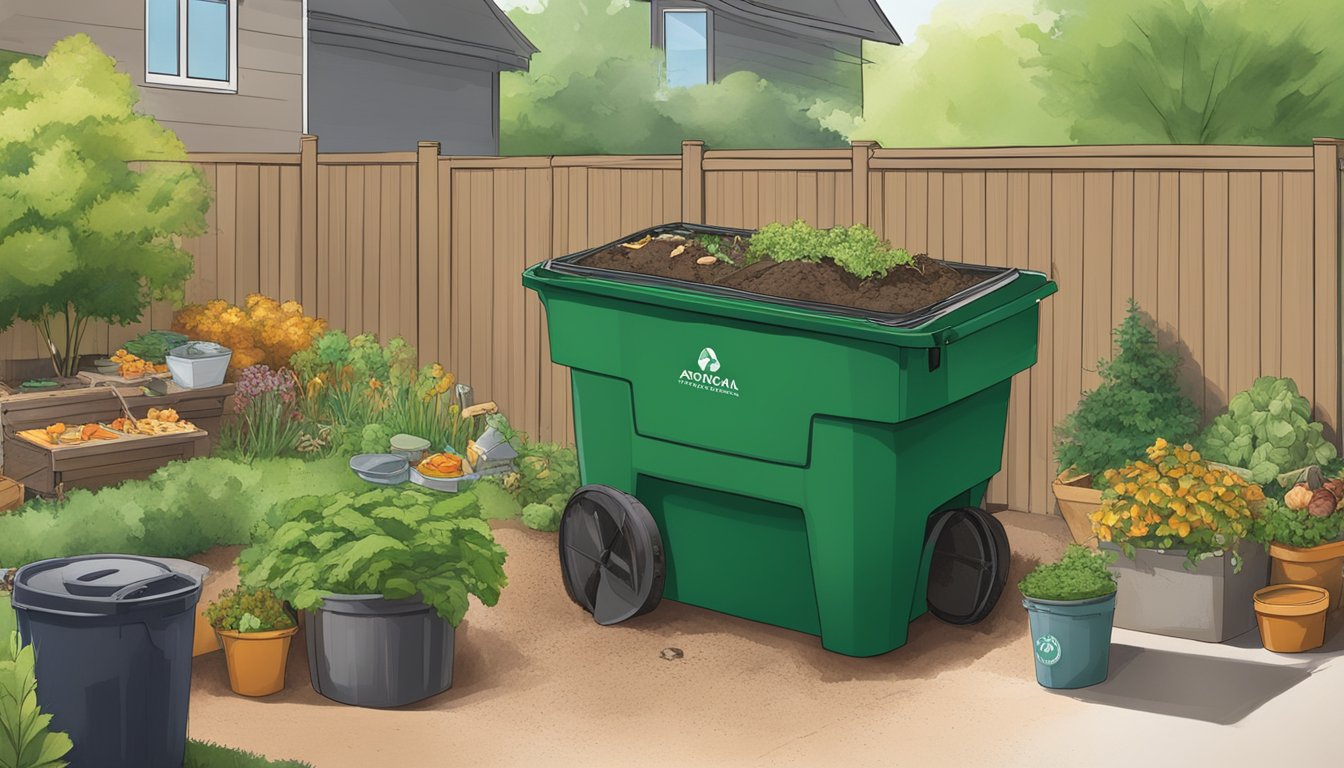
(686, 45)
(192, 43)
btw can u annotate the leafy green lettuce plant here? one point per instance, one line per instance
(1138, 401)
(1267, 430)
(1080, 574)
(399, 544)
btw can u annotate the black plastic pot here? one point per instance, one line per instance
(367, 651)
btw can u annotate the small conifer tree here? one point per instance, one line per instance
(1138, 401)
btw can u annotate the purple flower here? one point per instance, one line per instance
(258, 380)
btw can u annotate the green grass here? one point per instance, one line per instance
(202, 754)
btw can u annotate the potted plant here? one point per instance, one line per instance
(1183, 526)
(1305, 537)
(1266, 434)
(1139, 400)
(382, 578)
(1071, 604)
(256, 631)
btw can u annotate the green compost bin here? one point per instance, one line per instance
(791, 454)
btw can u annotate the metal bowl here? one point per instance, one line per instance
(381, 468)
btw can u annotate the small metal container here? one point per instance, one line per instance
(381, 468)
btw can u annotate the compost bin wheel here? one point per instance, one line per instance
(611, 554)
(969, 565)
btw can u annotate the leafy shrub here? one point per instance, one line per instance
(248, 610)
(1079, 575)
(856, 249)
(181, 510)
(1175, 499)
(1267, 430)
(261, 331)
(1139, 400)
(545, 517)
(395, 543)
(26, 738)
(1277, 524)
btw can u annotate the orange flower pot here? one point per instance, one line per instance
(1320, 566)
(1077, 501)
(1291, 617)
(256, 660)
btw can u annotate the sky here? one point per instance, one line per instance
(905, 15)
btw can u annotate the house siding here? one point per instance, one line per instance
(265, 115)
(400, 101)
(820, 64)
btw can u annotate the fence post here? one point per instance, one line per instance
(427, 249)
(1326, 180)
(308, 216)
(693, 182)
(862, 152)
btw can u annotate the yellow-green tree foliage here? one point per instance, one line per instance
(83, 235)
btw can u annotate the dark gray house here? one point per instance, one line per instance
(383, 74)
(252, 75)
(810, 46)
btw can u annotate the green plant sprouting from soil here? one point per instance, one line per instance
(857, 249)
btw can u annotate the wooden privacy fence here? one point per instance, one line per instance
(1234, 251)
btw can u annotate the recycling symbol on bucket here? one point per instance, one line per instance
(1047, 650)
(708, 360)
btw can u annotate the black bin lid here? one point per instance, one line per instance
(103, 585)
(969, 565)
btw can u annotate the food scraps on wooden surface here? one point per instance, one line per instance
(440, 465)
(157, 421)
(133, 367)
(69, 434)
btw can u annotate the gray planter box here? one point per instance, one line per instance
(371, 652)
(1155, 593)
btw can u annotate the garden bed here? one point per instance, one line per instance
(904, 289)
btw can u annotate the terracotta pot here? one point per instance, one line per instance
(257, 660)
(1319, 566)
(1291, 617)
(1077, 501)
(205, 640)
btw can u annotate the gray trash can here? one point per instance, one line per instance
(112, 637)
(372, 652)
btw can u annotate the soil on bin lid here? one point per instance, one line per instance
(902, 290)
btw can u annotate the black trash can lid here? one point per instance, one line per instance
(103, 585)
(969, 565)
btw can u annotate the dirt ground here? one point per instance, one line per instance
(538, 683)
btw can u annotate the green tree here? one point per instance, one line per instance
(961, 82)
(1138, 401)
(1189, 71)
(596, 87)
(83, 235)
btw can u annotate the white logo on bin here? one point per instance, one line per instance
(708, 360)
(1047, 650)
(706, 378)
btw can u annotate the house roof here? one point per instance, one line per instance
(475, 28)
(855, 18)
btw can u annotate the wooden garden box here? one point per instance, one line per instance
(51, 470)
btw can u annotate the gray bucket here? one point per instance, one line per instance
(372, 652)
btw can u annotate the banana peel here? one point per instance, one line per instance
(637, 244)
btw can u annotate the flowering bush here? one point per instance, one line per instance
(262, 331)
(353, 383)
(1175, 499)
(269, 422)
